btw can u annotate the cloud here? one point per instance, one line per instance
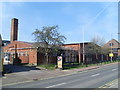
(103, 24)
(110, 21)
(106, 23)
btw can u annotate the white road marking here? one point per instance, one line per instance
(56, 85)
(114, 69)
(95, 75)
(4, 77)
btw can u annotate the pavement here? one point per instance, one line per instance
(20, 74)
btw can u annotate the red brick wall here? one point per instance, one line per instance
(73, 46)
(26, 55)
(53, 59)
(40, 58)
(33, 56)
(115, 44)
(79, 46)
(22, 55)
(19, 45)
(14, 29)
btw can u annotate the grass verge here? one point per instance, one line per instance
(48, 66)
(75, 66)
(88, 65)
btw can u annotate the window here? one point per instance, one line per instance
(26, 54)
(115, 49)
(21, 53)
(18, 54)
(111, 44)
(5, 44)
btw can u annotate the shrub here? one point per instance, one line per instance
(16, 61)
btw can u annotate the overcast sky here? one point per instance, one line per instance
(97, 18)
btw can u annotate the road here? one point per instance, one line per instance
(97, 78)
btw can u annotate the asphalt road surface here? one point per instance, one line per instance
(91, 79)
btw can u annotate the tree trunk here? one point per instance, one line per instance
(102, 57)
(107, 57)
(47, 58)
(96, 57)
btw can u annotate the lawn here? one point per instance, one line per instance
(48, 66)
(74, 65)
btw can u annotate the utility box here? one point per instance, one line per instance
(59, 62)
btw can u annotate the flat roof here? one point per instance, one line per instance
(76, 43)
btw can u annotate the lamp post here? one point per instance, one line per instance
(88, 24)
(83, 45)
(118, 37)
(111, 48)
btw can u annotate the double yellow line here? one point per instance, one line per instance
(107, 85)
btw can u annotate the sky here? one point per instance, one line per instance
(73, 18)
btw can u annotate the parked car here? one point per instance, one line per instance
(6, 59)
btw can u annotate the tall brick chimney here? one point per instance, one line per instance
(14, 29)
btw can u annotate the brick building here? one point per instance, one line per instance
(5, 42)
(76, 47)
(81, 58)
(113, 45)
(69, 54)
(26, 52)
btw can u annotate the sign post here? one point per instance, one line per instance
(59, 62)
(111, 55)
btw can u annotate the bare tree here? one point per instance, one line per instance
(104, 52)
(98, 40)
(48, 40)
(92, 49)
(95, 47)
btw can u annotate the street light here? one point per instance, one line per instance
(111, 48)
(83, 44)
(118, 37)
(88, 24)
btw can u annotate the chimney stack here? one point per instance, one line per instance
(14, 29)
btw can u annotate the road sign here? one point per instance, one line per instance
(111, 55)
